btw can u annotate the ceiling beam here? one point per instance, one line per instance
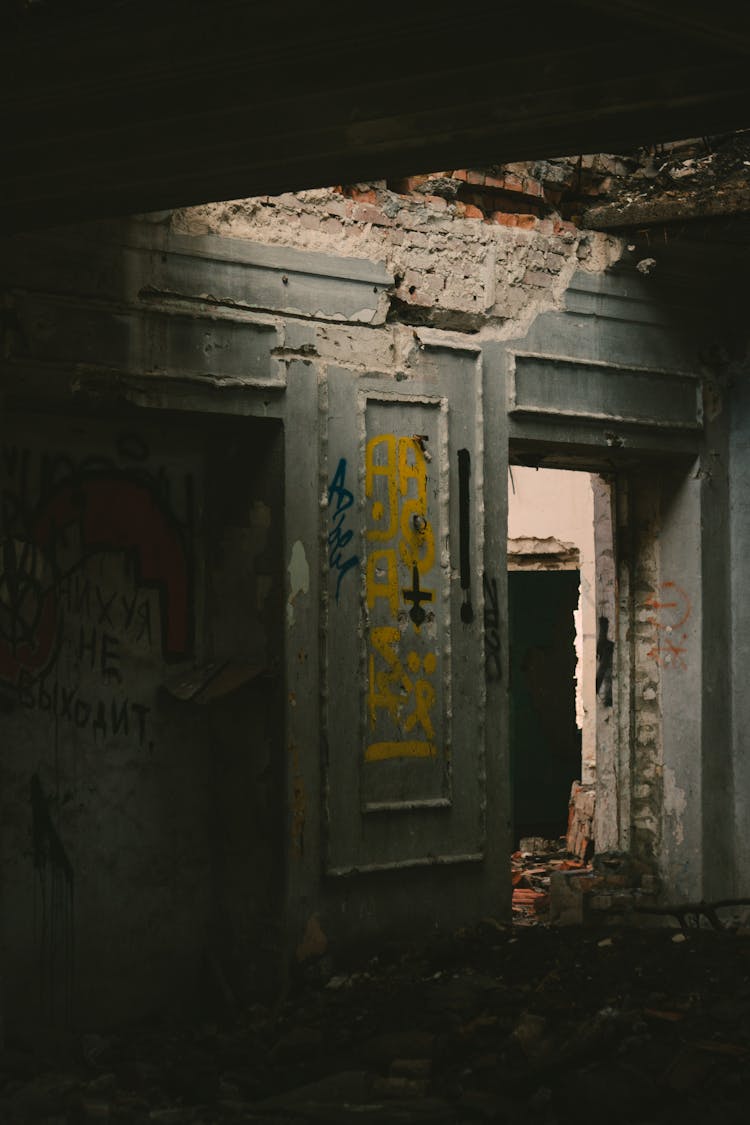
(721, 24)
(231, 99)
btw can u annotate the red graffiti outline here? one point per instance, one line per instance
(112, 513)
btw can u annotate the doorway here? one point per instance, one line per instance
(545, 737)
(560, 575)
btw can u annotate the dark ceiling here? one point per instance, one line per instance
(117, 107)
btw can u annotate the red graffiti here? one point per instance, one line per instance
(671, 612)
(97, 514)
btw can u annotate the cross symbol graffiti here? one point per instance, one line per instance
(416, 597)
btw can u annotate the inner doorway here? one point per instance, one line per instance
(561, 574)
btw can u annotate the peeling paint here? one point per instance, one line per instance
(443, 269)
(299, 579)
(675, 805)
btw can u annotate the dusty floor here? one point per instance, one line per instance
(498, 1024)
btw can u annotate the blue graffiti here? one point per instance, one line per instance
(340, 499)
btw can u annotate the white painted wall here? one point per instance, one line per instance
(544, 503)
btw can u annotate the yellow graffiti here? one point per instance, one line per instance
(382, 695)
(424, 695)
(377, 563)
(388, 470)
(396, 481)
(391, 688)
(382, 751)
(404, 469)
(417, 544)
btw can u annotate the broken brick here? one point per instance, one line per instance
(366, 213)
(506, 219)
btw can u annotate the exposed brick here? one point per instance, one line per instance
(336, 207)
(538, 278)
(472, 212)
(555, 261)
(411, 277)
(494, 181)
(409, 184)
(513, 219)
(421, 288)
(436, 201)
(533, 188)
(411, 219)
(366, 213)
(330, 225)
(460, 174)
(475, 177)
(420, 260)
(512, 182)
(362, 195)
(512, 201)
(561, 225)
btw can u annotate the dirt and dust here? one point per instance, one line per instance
(495, 1023)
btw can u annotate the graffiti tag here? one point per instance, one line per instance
(402, 661)
(671, 610)
(341, 499)
(493, 668)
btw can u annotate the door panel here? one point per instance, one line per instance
(404, 655)
(406, 717)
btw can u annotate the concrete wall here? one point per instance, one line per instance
(212, 333)
(736, 774)
(132, 816)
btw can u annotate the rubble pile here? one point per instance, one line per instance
(698, 165)
(531, 869)
(496, 1023)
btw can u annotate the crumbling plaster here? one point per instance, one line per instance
(449, 271)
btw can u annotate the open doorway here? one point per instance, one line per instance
(560, 585)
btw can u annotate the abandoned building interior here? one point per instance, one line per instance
(360, 522)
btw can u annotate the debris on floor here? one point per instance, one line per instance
(494, 1023)
(531, 869)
